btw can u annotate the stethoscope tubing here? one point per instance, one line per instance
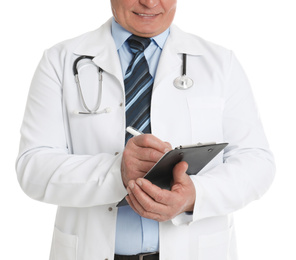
(184, 69)
(75, 72)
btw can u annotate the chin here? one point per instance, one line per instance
(146, 32)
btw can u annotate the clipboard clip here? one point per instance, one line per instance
(194, 145)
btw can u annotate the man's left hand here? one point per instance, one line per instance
(152, 202)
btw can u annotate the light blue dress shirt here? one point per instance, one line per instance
(135, 234)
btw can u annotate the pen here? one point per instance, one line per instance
(133, 131)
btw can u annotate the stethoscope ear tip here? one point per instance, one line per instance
(75, 112)
(107, 109)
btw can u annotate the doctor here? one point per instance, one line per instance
(80, 162)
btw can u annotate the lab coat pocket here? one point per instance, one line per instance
(64, 246)
(215, 246)
(206, 118)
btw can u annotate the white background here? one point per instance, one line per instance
(262, 34)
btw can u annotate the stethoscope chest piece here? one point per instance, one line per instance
(183, 82)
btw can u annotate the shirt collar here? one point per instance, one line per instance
(120, 35)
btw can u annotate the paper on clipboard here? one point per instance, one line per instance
(197, 157)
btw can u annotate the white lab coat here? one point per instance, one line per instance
(73, 160)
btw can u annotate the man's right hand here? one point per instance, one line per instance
(140, 155)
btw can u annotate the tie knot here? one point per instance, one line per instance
(137, 43)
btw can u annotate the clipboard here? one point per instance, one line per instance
(197, 156)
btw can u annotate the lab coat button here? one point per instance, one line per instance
(116, 153)
(121, 104)
(110, 208)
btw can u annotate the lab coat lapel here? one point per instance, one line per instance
(100, 44)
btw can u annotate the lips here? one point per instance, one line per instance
(145, 15)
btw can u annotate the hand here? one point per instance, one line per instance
(152, 202)
(140, 155)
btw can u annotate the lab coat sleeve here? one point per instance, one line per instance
(46, 169)
(248, 169)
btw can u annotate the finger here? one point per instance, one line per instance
(147, 207)
(148, 154)
(138, 208)
(144, 199)
(154, 192)
(179, 172)
(183, 186)
(138, 196)
(134, 151)
(136, 165)
(135, 205)
(151, 141)
(154, 199)
(131, 200)
(169, 146)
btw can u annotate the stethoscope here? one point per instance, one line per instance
(183, 82)
(89, 111)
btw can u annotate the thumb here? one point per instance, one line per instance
(179, 172)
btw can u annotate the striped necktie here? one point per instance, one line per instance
(138, 87)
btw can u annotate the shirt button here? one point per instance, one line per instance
(116, 153)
